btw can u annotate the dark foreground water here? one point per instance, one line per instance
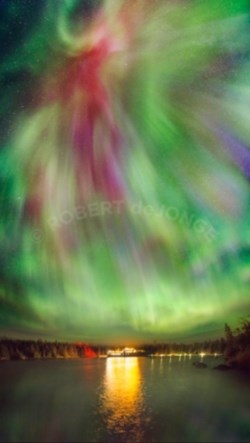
(122, 400)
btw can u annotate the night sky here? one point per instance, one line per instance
(124, 169)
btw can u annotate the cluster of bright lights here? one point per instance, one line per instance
(123, 352)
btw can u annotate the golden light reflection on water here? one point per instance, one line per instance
(122, 398)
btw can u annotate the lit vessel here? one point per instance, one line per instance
(126, 352)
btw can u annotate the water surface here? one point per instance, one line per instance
(122, 400)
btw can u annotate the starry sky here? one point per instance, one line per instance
(124, 169)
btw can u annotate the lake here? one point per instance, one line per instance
(122, 400)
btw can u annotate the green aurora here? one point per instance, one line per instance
(124, 169)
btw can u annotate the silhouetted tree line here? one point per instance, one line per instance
(22, 350)
(237, 350)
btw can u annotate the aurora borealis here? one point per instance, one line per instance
(124, 168)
